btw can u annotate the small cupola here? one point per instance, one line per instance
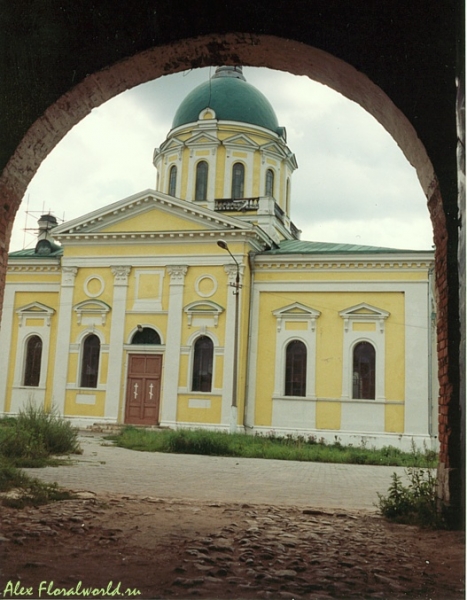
(45, 243)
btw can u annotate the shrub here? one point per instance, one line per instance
(34, 435)
(415, 503)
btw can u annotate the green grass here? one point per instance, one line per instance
(33, 439)
(270, 447)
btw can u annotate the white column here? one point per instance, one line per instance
(172, 351)
(114, 385)
(229, 343)
(6, 329)
(62, 347)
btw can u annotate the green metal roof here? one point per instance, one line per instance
(303, 247)
(232, 99)
(31, 253)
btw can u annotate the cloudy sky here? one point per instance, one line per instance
(353, 184)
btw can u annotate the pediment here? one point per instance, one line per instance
(34, 310)
(202, 139)
(173, 144)
(241, 141)
(203, 309)
(89, 309)
(296, 310)
(364, 311)
(274, 149)
(149, 212)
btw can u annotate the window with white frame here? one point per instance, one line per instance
(238, 180)
(295, 368)
(91, 349)
(172, 181)
(363, 359)
(33, 359)
(295, 365)
(201, 186)
(364, 371)
(269, 189)
(202, 364)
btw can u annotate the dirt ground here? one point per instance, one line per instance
(121, 546)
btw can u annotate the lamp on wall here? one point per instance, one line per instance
(139, 327)
(236, 291)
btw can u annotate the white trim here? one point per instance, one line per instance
(148, 304)
(214, 287)
(86, 284)
(376, 338)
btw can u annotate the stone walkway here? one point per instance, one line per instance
(104, 468)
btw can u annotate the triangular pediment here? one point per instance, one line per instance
(36, 308)
(364, 311)
(203, 139)
(172, 144)
(148, 212)
(241, 141)
(296, 310)
(274, 149)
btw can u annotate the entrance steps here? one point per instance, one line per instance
(110, 428)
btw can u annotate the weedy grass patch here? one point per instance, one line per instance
(215, 443)
(33, 439)
(414, 503)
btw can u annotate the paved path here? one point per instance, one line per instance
(104, 468)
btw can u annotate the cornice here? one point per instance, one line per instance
(354, 265)
(33, 268)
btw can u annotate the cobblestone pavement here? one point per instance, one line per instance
(104, 468)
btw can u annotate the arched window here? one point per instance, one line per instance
(295, 369)
(173, 181)
(269, 183)
(202, 364)
(90, 361)
(146, 335)
(238, 180)
(364, 360)
(201, 180)
(32, 367)
(287, 197)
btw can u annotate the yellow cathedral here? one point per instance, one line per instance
(196, 304)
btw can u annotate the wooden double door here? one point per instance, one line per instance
(143, 389)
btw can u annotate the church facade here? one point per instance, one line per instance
(197, 305)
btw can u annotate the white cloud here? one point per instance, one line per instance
(353, 183)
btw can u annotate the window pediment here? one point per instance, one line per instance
(240, 141)
(90, 311)
(201, 311)
(364, 312)
(34, 310)
(202, 139)
(296, 312)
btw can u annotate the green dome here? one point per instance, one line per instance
(231, 98)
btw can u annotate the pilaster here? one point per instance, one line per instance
(63, 337)
(172, 353)
(115, 376)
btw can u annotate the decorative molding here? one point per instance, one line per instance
(203, 311)
(120, 274)
(35, 310)
(177, 273)
(88, 308)
(297, 312)
(86, 286)
(200, 280)
(68, 276)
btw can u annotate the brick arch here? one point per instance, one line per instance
(252, 50)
